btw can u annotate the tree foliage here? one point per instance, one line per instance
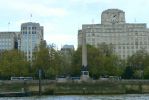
(139, 63)
(41, 60)
(101, 61)
(49, 60)
(12, 63)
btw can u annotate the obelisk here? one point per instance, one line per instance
(84, 70)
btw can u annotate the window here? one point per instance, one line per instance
(24, 28)
(24, 32)
(137, 46)
(33, 28)
(33, 32)
(119, 47)
(93, 34)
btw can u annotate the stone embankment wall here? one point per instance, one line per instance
(72, 87)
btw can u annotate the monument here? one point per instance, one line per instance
(84, 70)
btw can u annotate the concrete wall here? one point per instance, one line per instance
(71, 87)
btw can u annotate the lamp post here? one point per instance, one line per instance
(142, 69)
(40, 89)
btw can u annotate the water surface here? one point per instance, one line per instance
(86, 97)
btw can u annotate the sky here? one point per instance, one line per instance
(63, 18)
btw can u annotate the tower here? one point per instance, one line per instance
(31, 37)
(113, 16)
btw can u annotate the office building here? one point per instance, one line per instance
(67, 52)
(9, 40)
(125, 38)
(30, 38)
(67, 49)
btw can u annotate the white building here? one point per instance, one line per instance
(8, 40)
(31, 36)
(67, 49)
(126, 38)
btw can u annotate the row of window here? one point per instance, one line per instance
(29, 28)
(29, 38)
(124, 54)
(5, 44)
(132, 47)
(130, 51)
(119, 38)
(28, 47)
(5, 47)
(121, 29)
(116, 34)
(25, 41)
(119, 43)
(5, 40)
(33, 32)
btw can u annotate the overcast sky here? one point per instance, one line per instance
(62, 18)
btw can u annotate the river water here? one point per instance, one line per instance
(86, 97)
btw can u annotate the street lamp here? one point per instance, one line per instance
(142, 70)
(40, 73)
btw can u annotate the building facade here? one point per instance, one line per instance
(67, 52)
(9, 40)
(125, 38)
(30, 38)
(67, 49)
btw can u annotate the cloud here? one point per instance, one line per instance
(33, 7)
(61, 17)
(61, 39)
(54, 34)
(91, 1)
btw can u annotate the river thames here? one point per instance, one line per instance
(84, 97)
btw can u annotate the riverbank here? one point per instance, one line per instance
(77, 87)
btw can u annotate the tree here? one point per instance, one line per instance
(128, 73)
(50, 60)
(41, 59)
(146, 72)
(101, 61)
(13, 63)
(139, 62)
(109, 61)
(76, 62)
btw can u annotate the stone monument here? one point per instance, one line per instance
(84, 70)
